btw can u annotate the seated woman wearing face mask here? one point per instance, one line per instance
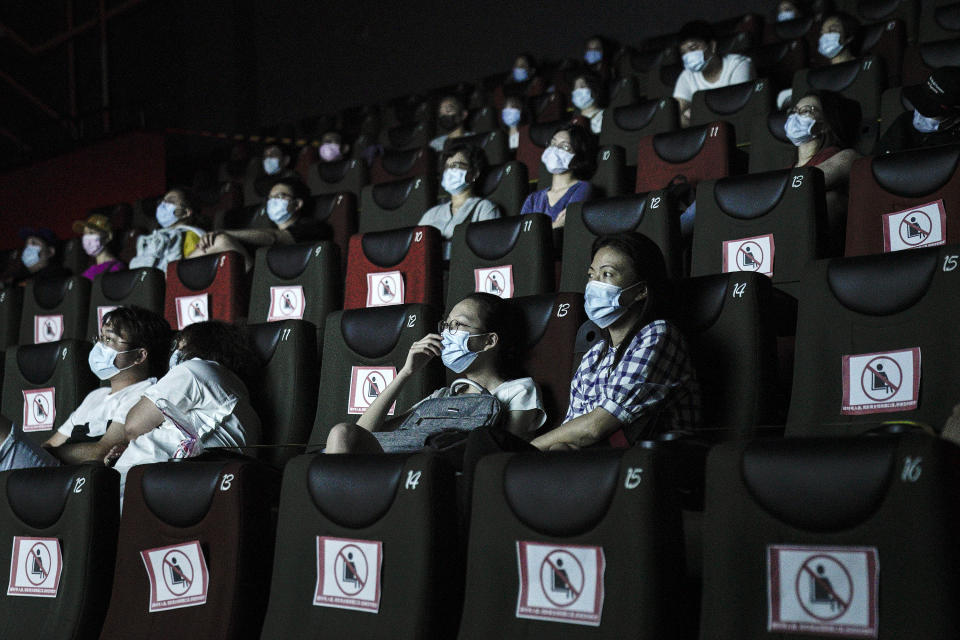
(838, 43)
(177, 236)
(637, 381)
(478, 342)
(285, 209)
(570, 159)
(462, 165)
(935, 118)
(512, 115)
(96, 234)
(331, 147)
(587, 97)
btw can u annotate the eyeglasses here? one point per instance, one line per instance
(562, 145)
(453, 326)
(110, 341)
(808, 111)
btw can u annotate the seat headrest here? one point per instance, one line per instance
(775, 125)
(680, 146)
(561, 494)
(537, 311)
(392, 195)
(768, 55)
(793, 29)
(834, 77)
(492, 178)
(541, 133)
(38, 362)
(38, 496)
(387, 248)
(334, 171)
(818, 484)
(729, 99)
(180, 493)
(401, 135)
(354, 490)
(669, 73)
(198, 273)
(882, 284)
(752, 195)
(264, 338)
(875, 10)
(948, 17)
(399, 162)
(614, 215)
(633, 117)
(373, 332)
(117, 285)
(912, 174)
(50, 292)
(476, 140)
(700, 301)
(289, 261)
(324, 205)
(493, 239)
(870, 35)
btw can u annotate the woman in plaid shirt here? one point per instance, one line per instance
(637, 380)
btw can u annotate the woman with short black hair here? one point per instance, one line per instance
(571, 159)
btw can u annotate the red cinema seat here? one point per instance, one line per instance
(208, 288)
(399, 266)
(688, 155)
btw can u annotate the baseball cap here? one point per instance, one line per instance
(939, 96)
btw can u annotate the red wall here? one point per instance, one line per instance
(55, 192)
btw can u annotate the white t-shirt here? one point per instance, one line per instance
(736, 69)
(596, 122)
(514, 140)
(205, 405)
(441, 216)
(101, 407)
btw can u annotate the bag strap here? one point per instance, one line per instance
(468, 381)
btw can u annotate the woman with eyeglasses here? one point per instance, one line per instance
(478, 341)
(571, 159)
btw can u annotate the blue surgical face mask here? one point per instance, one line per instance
(556, 160)
(511, 116)
(278, 210)
(923, 124)
(783, 16)
(520, 74)
(454, 180)
(101, 361)
(829, 45)
(602, 303)
(271, 166)
(582, 98)
(593, 56)
(456, 355)
(799, 128)
(166, 214)
(30, 255)
(694, 60)
(174, 359)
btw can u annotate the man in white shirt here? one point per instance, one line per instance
(703, 68)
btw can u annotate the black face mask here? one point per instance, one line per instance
(449, 122)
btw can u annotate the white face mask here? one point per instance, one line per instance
(556, 159)
(278, 210)
(511, 116)
(602, 304)
(799, 128)
(454, 180)
(582, 98)
(783, 16)
(829, 45)
(694, 60)
(271, 166)
(923, 124)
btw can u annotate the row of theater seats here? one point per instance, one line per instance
(793, 538)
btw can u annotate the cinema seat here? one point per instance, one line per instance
(135, 287)
(770, 148)
(207, 288)
(506, 186)
(625, 126)
(398, 165)
(11, 307)
(397, 204)
(689, 155)
(394, 267)
(337, 177)
(939, 21)
(737, 104)
(55, 309)
(494, 145)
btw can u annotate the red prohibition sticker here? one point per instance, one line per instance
(366, 384)
(495, 280)
(192, 309)
(39, 409)
(922, 226)
(560, 583)
(178, 576)
(348, 574)
(385, 289)
(881, 382)
(749, 254)
(286, 303)
(47, 328)
(35, 567)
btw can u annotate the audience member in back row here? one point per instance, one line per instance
(478, 342)
(332, 147)
(595, 54)
(523, 79)
(589, 98)
(704, 68)
(463, 164)
(130, 353)
(277, 164)
(513, 115)
(935, 117)
(39, 256)
(451, 119)
(839, 38)
(96, 234)
(202, 401)
(177, 236)
(285, 208)
(571, 159)
(637, 381)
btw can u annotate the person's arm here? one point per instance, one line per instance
(683, 94)
(522, 423)
(142, 418)
(56, 440)
(684, 109)
(580, 432)
(90, 451)
(836, 168)
(421, 352)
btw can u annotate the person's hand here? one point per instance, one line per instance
(560, 220)
(115, 452)
(206, 240)
(423, 351)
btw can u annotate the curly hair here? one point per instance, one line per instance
(223, 343)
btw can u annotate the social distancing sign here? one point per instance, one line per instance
(560, 583)
(47, 328)
(178, 576)
(495, 280)
(39, 409)
(385, 289)
(366, 384)
(35, 567)
(823, 590)
(881, 382)
(286, 303)
(749, 254)
(923, 226)
(192, 309)
(348, 574)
